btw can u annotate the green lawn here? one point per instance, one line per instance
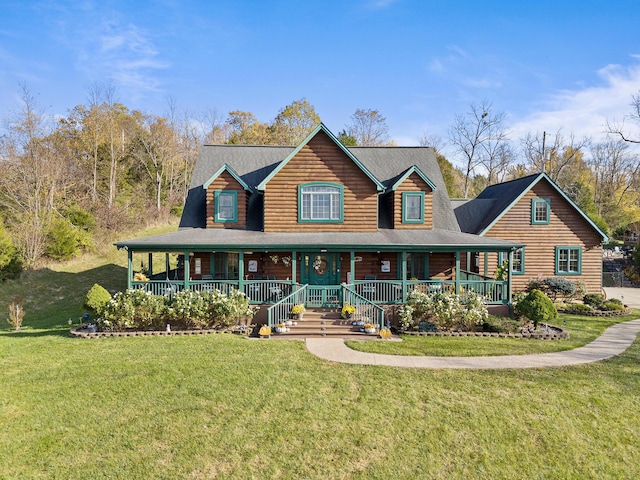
(228, 407)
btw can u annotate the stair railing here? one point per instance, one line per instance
(279, 311)
(366, 310)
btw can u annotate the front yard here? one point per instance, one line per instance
(224, 406)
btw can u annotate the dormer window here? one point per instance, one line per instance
(540, 211)
(320, 202)
(413, 207)
(226, 203)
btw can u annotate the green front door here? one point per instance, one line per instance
(321, 271)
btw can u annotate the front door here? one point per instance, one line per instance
(321, 271)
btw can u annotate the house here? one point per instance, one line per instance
(558, 238)
(631, 234)
(320, 224)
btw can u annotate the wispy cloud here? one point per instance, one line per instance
(585, 111)
(125, 53)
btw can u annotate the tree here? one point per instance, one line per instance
(369, 128)
(618, 129)
(294, 122)
(477, 137)
(553, 154)
(616, 173)
(453, 178)
(347, 140)
(246, 129)
(10, 261)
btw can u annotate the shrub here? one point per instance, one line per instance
(16, 313)
(10, 261)
(613, 305)
(537, 307)
(553, 286)
(133, 309)
(96, 299)
(594, 299)
(62, 240)
(578, 308)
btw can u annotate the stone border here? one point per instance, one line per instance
(83, 332)
(600, 313)
(556, 333)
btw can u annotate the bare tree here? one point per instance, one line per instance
(618, 128)
(553, 154)
(369, 128)
(476, 137)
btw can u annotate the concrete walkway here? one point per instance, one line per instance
(615, 340)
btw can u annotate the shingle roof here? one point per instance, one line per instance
(383, 240)
(254, 163)
(478, 215)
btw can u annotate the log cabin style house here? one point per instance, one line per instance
(323, 224)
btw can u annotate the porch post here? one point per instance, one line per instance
(187, 269)
(509, 279)
(294, 267)
(457, 280)
(129, 268)
(403, 273)
(241, 270)
(486, 264)
(150, 262)
(352, 265)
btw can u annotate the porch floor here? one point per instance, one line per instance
(324, 322)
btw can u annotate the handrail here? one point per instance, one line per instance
(365, 308)
(281, 309)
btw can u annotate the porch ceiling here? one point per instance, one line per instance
(383, 240)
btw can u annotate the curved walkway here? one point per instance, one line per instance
(614, 340)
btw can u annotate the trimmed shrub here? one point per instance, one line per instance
(133, 309)
(537, 307)
(613, 305)
(553, 286)
(96, 299)
(594, 299)
(578, 308)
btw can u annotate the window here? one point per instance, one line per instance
(413, 207)
(224, 266)
(226, 204)
(540, 211)
(568, 260)
(517, 264)
(320, 203)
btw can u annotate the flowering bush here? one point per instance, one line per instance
(446, 309)
(142, 310)
(133, 309)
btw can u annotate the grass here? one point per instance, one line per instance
(582, 330)
(228, 407)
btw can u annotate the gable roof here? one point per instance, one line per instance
(254, 163)
(231, 172)
(496, 200)
(405, 175)
(318, 129)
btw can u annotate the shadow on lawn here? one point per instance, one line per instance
(54, 332)
(52, 298)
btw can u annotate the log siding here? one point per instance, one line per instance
(226, 182)
(565, 228)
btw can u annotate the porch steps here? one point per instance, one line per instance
(325, 322)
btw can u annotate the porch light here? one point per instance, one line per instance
(323, 250)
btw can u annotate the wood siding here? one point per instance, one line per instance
(227, 183)
(321, 160)
(413, 183)
(565, 228)
(442, 265)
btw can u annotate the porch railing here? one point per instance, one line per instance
(366, 310)
(383, 292)
(280, 311)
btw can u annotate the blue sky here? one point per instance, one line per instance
(548, 65)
